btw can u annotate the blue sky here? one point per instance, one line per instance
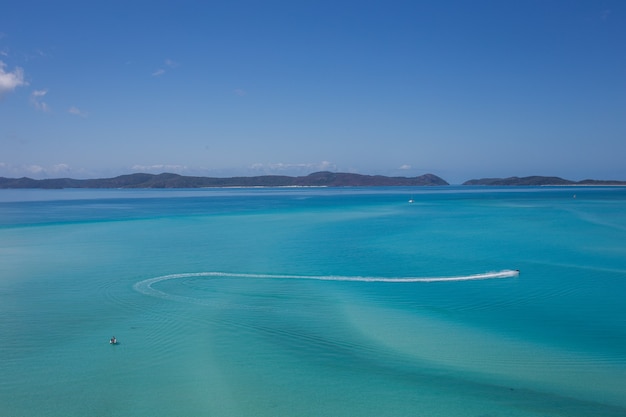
(460, 89)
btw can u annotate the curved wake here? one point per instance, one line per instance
(145, 286)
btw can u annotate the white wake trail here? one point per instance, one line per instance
(145, 286)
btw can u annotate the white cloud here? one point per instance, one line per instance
(60, 168)
(405, 167)
(9, 81)
(159, 168)
(326, 166)
(6, 170)
(36, 98)
(76, 111)
(4, 51)
(292, 169)
(34, 169)
(171, 64)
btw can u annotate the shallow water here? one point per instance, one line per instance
(271, 302)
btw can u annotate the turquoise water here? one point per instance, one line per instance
(313, 302)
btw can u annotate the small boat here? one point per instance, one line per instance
(113, 341)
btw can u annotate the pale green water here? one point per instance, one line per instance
(549, 342)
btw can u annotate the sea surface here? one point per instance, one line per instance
(314, 302)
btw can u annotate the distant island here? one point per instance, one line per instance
(538, 181)
(317, 179)
(167, 180)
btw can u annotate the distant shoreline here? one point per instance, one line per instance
(536, 180)
(168, 180)
(315, 180)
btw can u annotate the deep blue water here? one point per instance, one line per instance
(294, 302)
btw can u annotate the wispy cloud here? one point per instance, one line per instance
(35, 171)
(10, 80)
(168, 64)
(36, 98)
(171, 64)
(60, 169)
(159, 168)
(239, 92)
(405, 167)
(292, 169)
(76, 111)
